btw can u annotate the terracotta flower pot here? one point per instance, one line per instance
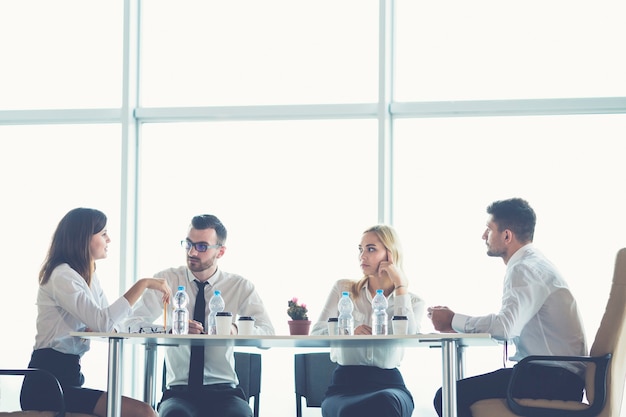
(299, 327)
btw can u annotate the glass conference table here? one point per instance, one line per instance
(451, 345)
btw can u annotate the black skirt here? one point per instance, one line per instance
(40, 393)
(367, 391)
(354, 379)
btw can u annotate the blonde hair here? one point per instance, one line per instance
(390, 240)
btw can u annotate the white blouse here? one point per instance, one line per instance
(386, 357)
(67, 304)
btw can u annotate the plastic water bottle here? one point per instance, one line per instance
(379, 314)
(180, 316)
(216, 304)
(345, 325)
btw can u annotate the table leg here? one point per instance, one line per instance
(449, 361)
(114, 397)
(460, 359)
(149, 383)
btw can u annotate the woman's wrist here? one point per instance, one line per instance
(400, 289)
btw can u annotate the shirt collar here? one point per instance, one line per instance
(211, 281)
(517, 256)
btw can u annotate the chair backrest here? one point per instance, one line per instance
(611, 338)
(313, 374)
(248, 369)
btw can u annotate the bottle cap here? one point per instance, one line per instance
(181, 288)
(217, 292)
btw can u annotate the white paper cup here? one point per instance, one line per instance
(400, 325)
(223, 322)
(245, 325)
(332, 326)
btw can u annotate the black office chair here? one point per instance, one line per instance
(313, 373)
(248, 369)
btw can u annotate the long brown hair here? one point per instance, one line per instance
(70, 243)
(391, 242)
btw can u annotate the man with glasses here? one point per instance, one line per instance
(201, 380)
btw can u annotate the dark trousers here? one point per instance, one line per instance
(537, 382)
(220, 400)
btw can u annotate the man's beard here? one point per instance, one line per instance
(199, 266)
(494, 253)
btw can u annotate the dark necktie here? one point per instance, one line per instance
(196, 362)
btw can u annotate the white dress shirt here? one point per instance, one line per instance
(67, 304)
(386, 357)
(240, 298)
(539, 313)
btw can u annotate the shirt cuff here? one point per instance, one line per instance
(458, 322)
(120, 309)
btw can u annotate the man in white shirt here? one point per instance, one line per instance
(538, 314)
(201, 381)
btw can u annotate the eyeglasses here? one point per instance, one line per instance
(200, 247)
(150, 330)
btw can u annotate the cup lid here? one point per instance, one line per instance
(224, 313)
(399, 318)
(333, 319)
(246, 318)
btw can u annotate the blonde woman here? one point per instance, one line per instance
(367, 381)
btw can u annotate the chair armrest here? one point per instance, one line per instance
(600, 383)
(45, 374)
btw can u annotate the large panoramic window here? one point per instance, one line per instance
(486, 50)
(199, 53)
(272, 115)
(60, 54)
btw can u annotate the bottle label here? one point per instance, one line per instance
(180, 323)
(379, 323)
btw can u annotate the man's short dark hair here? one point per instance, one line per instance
(209, 221)
(516, 215)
